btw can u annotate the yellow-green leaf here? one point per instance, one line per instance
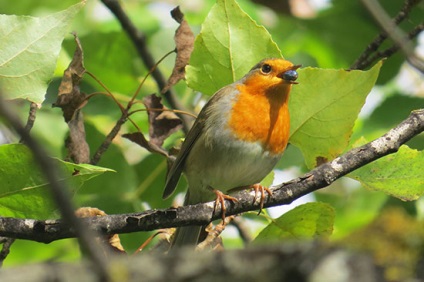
(228, 46)
(400, 174)
(308, 221)
(24, 191)
(29, 49)
(324, 107)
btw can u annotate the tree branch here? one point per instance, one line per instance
(290, 262)
(139, 41)
(33, 107)
(395, 33)
(7, 243)
(365, 62)
(109, 138)
(201, 214)
(371, 53)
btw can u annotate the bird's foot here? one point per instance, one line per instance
(220, 199)
(261, 189)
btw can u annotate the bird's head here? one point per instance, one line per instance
(272, 73)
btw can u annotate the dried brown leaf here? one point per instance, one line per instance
(71, 100)
(161, 123)
(184, 40)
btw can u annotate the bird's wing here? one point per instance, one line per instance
(194, 133)
(178, 165)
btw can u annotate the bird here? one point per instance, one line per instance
(237, 139)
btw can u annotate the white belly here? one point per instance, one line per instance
(229, 165)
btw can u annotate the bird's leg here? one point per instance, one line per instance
(220, 199)
(259, 188)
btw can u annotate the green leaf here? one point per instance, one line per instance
(30, 47)
(82, 172)
(323, 109)
(228, 46)
(306, 221)
(399, 174)
(24, 191)
(29, 7)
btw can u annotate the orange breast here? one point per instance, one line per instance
(259, 116)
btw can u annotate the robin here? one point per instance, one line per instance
(237, 139)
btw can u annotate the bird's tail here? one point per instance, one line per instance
(187, 235)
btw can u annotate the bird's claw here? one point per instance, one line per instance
(259, 188)
(220, 199)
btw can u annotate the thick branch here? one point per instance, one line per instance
(302, 262)
(200, 214)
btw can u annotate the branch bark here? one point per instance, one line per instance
(303, 262)
(7, 243)
(201, 214)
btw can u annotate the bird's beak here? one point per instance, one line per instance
(290, 75)
(294, 68)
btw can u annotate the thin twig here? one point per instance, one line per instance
(139, 41)
(394, 32)
(146, 76)
(163, 110)
(389, 51)
(59, 191)
(148, 241)
(109, 138)
(31, 118)
(7, 243)
(202, 214)
(109, 93)
(364, 59)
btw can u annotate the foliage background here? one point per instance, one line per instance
(332, 37)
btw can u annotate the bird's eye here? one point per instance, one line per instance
(290, 75)
(266, 68)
